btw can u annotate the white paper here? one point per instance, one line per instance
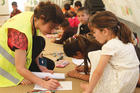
(54, 75)
(65, 85)
(77, 61)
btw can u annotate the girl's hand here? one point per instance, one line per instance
(85, 87)
(76, 74)
(44, 69)
(79, 68)
(50, 84)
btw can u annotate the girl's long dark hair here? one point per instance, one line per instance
(106, 19)
(82, 44)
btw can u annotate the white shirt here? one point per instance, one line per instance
(122, 71)
(123, 55)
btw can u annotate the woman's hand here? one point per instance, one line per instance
(44, 69)
(50, 84)
(26, 82)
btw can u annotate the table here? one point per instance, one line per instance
(51, 48)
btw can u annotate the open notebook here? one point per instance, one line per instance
(54, 75)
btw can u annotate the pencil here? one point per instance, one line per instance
(80, 64)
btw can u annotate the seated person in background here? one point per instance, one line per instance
(77, 5)
(83, 16)
(94, 5)
(67, 32)
(78, 48)
(15, 9)
(72, 18)
(67, 7)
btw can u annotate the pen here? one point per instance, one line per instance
(80, 64)
(60, 58)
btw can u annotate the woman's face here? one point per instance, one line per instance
(99, 35)
(46, 28)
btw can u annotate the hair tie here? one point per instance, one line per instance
(74, 36)
(118, 25)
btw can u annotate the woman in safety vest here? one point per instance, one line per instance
(20, 45)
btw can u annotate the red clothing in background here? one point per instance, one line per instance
(13, 13)
(73, 21)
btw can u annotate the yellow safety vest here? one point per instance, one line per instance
(8, 74)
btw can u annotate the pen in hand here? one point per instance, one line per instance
(80, 64)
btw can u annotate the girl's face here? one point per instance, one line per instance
(83, 17)
(99, 35)
(78, 55)
(46, 28)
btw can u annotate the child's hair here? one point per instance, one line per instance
(14, 3)
(82, 44)
(67, 6)
(106, 19)
(83, 9)
(49, 12)
(78, 3)
(69, 14)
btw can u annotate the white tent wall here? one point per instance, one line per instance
(4, 8)
(58, 2)
(4, 11)
(62, 2)
(125, 9)
(29, 6)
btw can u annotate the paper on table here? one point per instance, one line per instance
(77, 61)
(65, 85)
(54, 75)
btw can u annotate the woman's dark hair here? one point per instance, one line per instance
(49, 12)
(78, 3)
(82, 44)
(106, 19)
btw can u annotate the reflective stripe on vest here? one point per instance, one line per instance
(7, 55)
(3, 72)
(8, 76)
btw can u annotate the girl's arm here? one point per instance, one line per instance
(104, 59)
(76, 74)
(20, 61)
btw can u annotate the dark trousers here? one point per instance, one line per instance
(38, 46)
